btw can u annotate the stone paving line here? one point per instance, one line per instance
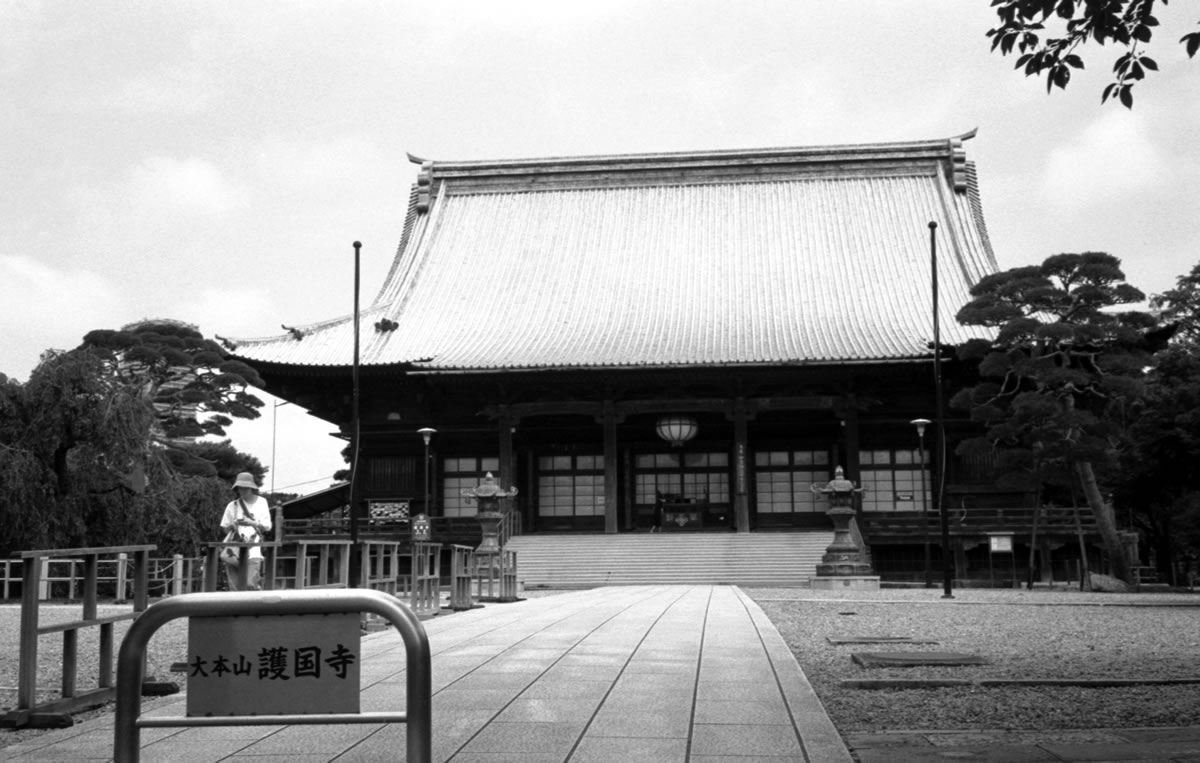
(694, 674)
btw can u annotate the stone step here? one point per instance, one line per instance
(578, 560)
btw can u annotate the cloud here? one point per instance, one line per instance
(175, 91)
(20, 25)
(329, 167)
(1114, 157)
(232, 312)
(191, 186)
(46, 307)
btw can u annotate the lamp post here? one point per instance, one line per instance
(274, 429)
(938, 497)
(427, 434)
(356, 432)
(920, 424)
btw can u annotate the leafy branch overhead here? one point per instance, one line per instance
(1126, 23)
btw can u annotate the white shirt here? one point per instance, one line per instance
(259, 511)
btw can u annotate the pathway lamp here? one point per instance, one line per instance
(920, 424)
(421, 521)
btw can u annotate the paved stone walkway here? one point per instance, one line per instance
(634, 673)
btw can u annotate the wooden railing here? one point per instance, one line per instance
(462, 573)
(310, 563)
(497, 576)
(1056, 520)
(510, 526)
(422, 586)
(64, 578)
(56, 712)
(450, 530)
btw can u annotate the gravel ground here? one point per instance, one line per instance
(1023, 635)
(166, 646)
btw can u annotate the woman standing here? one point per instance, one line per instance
(249, 517)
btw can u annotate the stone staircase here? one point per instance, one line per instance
(547, 560)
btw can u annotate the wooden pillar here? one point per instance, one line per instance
(505, 425)
(959, 554)
(849, 426)
(741, 458)
(611, 483)
(529, 505)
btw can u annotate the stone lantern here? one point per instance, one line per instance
(487, 496)
(844, 564)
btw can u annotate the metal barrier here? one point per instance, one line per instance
(422, 587)
(497, 576)
(131, 661)
(462, 575)
(56, 712)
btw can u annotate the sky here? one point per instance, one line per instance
(212, 162)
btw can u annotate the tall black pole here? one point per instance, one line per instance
(940, 415)
(355, 434)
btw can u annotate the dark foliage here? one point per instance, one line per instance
(194, 385)
(85, 458)
(1058, 380)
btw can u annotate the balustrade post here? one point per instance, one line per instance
(119, 596)
(44, 580)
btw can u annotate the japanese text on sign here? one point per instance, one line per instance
(259, 665)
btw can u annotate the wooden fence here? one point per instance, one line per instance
(56, 712)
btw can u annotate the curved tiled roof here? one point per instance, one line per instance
(770, 257)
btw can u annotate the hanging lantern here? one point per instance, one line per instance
(676, 429)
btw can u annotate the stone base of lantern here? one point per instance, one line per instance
(489, 522)
(842, 565)
(844, 582)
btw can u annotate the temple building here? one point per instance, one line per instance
(675, 341)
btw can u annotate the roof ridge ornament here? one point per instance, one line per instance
(959, 176)
(424, 186)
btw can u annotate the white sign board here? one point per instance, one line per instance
(273, 664)
(1001, 543)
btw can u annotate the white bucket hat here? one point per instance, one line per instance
(245, 479)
